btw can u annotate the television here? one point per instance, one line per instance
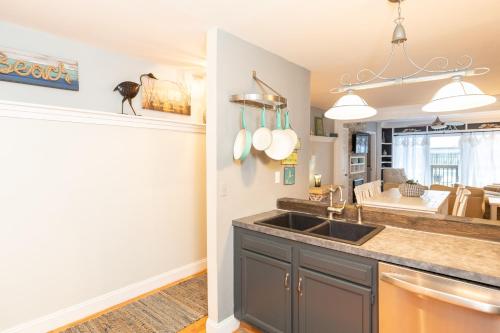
(360, 143)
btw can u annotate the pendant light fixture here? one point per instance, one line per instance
(438, 124)
(350, 107)
(457, 95)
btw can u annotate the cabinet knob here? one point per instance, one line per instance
(287, 276)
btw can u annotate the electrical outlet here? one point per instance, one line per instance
(277, 177)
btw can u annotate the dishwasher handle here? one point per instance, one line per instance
(403, 282)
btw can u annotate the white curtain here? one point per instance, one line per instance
(480, 160)
(411, 152)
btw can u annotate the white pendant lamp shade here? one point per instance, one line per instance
(350, 107)
(458, 95)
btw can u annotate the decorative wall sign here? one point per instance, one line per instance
(38, 69)
(166, 96)
(289, 175)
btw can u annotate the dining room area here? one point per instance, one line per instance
(417, 167)
(451, 172)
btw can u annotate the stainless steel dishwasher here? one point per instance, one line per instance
(411, 301)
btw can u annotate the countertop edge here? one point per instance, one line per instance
(248, 223)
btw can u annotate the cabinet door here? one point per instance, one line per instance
(266, 292)
(330, 305)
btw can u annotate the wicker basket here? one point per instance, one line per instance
(412, 190)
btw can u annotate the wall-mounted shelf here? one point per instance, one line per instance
(316, 138)
(357, 165)
(20, 110)
(386, 159)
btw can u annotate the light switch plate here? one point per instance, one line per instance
(277, 177)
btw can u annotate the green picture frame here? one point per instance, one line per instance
(289, 176)
(319, 128)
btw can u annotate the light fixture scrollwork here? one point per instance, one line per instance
(437, 68)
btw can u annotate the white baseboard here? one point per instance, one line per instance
(78, 311)
(228, 325)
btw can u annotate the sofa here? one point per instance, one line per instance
(476, 204)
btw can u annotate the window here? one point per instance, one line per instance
(445, 159)
(471, 158)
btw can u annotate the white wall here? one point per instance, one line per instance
(240, 189)
(85, 208)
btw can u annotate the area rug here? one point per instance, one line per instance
(166, 311)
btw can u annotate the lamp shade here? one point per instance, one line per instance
(458, 95)
(350, 107)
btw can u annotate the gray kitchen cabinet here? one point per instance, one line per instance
(266, 292)
(327, 304)
(288, 286)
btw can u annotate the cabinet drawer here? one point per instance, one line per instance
(337, 266)
(266, 246)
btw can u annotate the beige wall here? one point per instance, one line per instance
(238, 189)
(87, 209)
(322, 162)
(322, 159)
(328, 124)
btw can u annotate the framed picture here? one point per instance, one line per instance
(38, 69)
(319, 129)
(166, 96)
(289, 175)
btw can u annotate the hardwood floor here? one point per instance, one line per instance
(121, 305)
(199, 327)
(196, 327)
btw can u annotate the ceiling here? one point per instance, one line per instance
(327, 37)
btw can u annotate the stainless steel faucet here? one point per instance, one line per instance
(335, 210)
(360, 217)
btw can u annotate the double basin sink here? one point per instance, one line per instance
(346, 232)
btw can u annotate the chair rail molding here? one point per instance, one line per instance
(19, 110)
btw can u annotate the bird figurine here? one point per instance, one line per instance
(130, 89)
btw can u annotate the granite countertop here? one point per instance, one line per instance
(465, 258)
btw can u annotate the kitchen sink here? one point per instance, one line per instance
(346, 232)
(293, 221)
(337, 230)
